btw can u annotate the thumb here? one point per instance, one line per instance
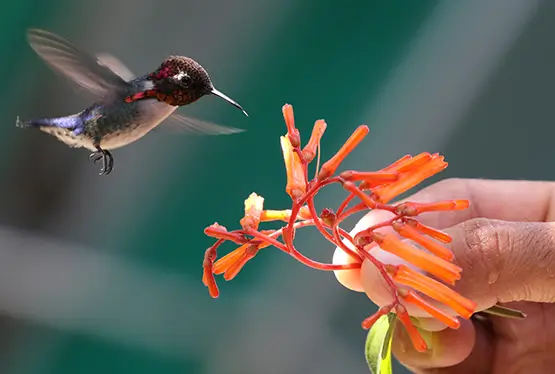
(505, 261)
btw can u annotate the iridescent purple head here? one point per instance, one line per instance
(181, 81)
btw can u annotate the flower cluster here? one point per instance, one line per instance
(366, 191)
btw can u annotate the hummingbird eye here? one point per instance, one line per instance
(182, 77)
(185, 81)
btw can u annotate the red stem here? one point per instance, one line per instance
(319, 265)
(373, 260)
(317, 220)
(380, 225)
(389, 208)
(345, 234)
(300, 202)
(265, 238)
(343, 246)
(381, 268)
(344, 204)
(297, 225)
(295, 253)
(355, 209)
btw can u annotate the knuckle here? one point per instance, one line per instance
(506, 258)
(483, 237)
(480, 254)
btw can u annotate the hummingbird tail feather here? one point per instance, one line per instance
(62, 122)
(22, 124)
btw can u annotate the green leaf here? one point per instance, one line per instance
(378, 345)
(503, 311)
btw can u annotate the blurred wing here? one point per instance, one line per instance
(178, 123)
(114, 64)
(80, 67)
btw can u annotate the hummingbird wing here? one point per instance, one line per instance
(79, 66)
(115, 64)
(176, 123)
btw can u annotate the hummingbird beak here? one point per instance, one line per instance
(228, 99)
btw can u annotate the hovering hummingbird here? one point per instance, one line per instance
(126, 107)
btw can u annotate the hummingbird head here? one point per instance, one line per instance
(182, 80)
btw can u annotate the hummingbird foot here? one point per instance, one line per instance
(107, 160)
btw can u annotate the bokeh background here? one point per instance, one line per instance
(102, 274)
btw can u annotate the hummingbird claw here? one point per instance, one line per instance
(107, 160)
(96, 156)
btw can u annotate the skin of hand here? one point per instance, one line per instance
(505, 243)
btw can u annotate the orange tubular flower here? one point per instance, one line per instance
(283, 215)
(253, 211)
(439, 267)
(333, 163)
(367, 190)
(417, 339)
(369, 176)
(423, 229)
(309, 151)
(292, 133)
(414, 209)
(417, 174)
(228, 260)
(409, 232)
(435, 290)
(296, 183)
(414, 162)
(440, 315)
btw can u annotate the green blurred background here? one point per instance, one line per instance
(102, 274)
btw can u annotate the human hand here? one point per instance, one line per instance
(505, 243)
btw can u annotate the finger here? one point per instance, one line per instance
(505, 261)
(466, 350)
(501, 261)
(505, 200)
(430, 324)
(526, 345)
(496, 199)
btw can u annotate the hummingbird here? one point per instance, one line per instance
(126, 107)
